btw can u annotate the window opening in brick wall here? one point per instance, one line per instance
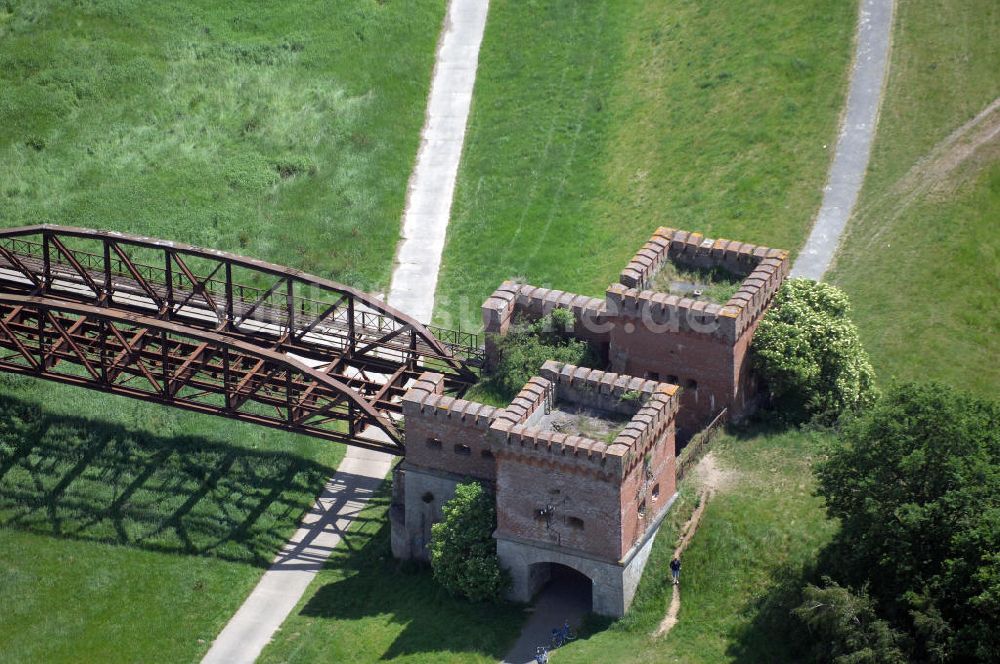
(656, 492)
(575, 522)
(672, 379)
(692, 384)
(433, 444)
(427, 497)
(463, 450)
(642, 510)
(486, 454)
(652, 375)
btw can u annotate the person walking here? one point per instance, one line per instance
(675, 570)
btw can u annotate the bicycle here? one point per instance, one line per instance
(562, 636)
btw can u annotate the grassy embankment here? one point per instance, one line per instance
(592, 124)
(921, 259)
(130, 532)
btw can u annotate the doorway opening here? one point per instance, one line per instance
(563, 588)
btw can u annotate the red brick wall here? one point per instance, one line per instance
(451, 431)
(525, 485)
(437, 427)
(684, 357)
(662, 467)
(510, 300)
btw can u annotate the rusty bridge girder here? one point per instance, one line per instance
(214, 332)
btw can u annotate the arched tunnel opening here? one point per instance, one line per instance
(563, 589)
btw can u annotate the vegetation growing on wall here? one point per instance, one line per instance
(529, 344)
(713, 285)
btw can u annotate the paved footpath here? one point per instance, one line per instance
(281, 587)
(554, 605)
(412, 289)
(850, 162)
(432, 184)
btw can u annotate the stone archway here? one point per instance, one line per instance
(531, 567)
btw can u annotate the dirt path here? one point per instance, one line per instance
(712, 479)
(975, 144)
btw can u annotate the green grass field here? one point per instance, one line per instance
(576, 141)
(760, 530)
(122, 544)
(921, 260)
(548, 191)
(595, 122)
(131, 532)
(286, 132)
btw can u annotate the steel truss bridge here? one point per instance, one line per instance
(215, 333)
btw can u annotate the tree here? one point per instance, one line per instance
(463, 552)
(846, 628)
(808, 351)
(915, 482)
(528, 345)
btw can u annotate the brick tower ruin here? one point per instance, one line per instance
(642, 330)
(582, 461)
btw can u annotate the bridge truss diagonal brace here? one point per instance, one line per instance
(188, 368)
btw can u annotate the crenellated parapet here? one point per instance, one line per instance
(693, 250)
(581, 462)
(668, 313)
(426, 399)
(445, 433)
(650, 405)
(686, 339)
(762, 270)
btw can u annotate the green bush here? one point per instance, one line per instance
(528, 345)
(915, 483)
(808, 351)
(463, 551)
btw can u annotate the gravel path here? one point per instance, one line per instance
(850, 162)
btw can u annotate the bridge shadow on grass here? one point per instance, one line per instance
(372, 585)
(79, 478)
